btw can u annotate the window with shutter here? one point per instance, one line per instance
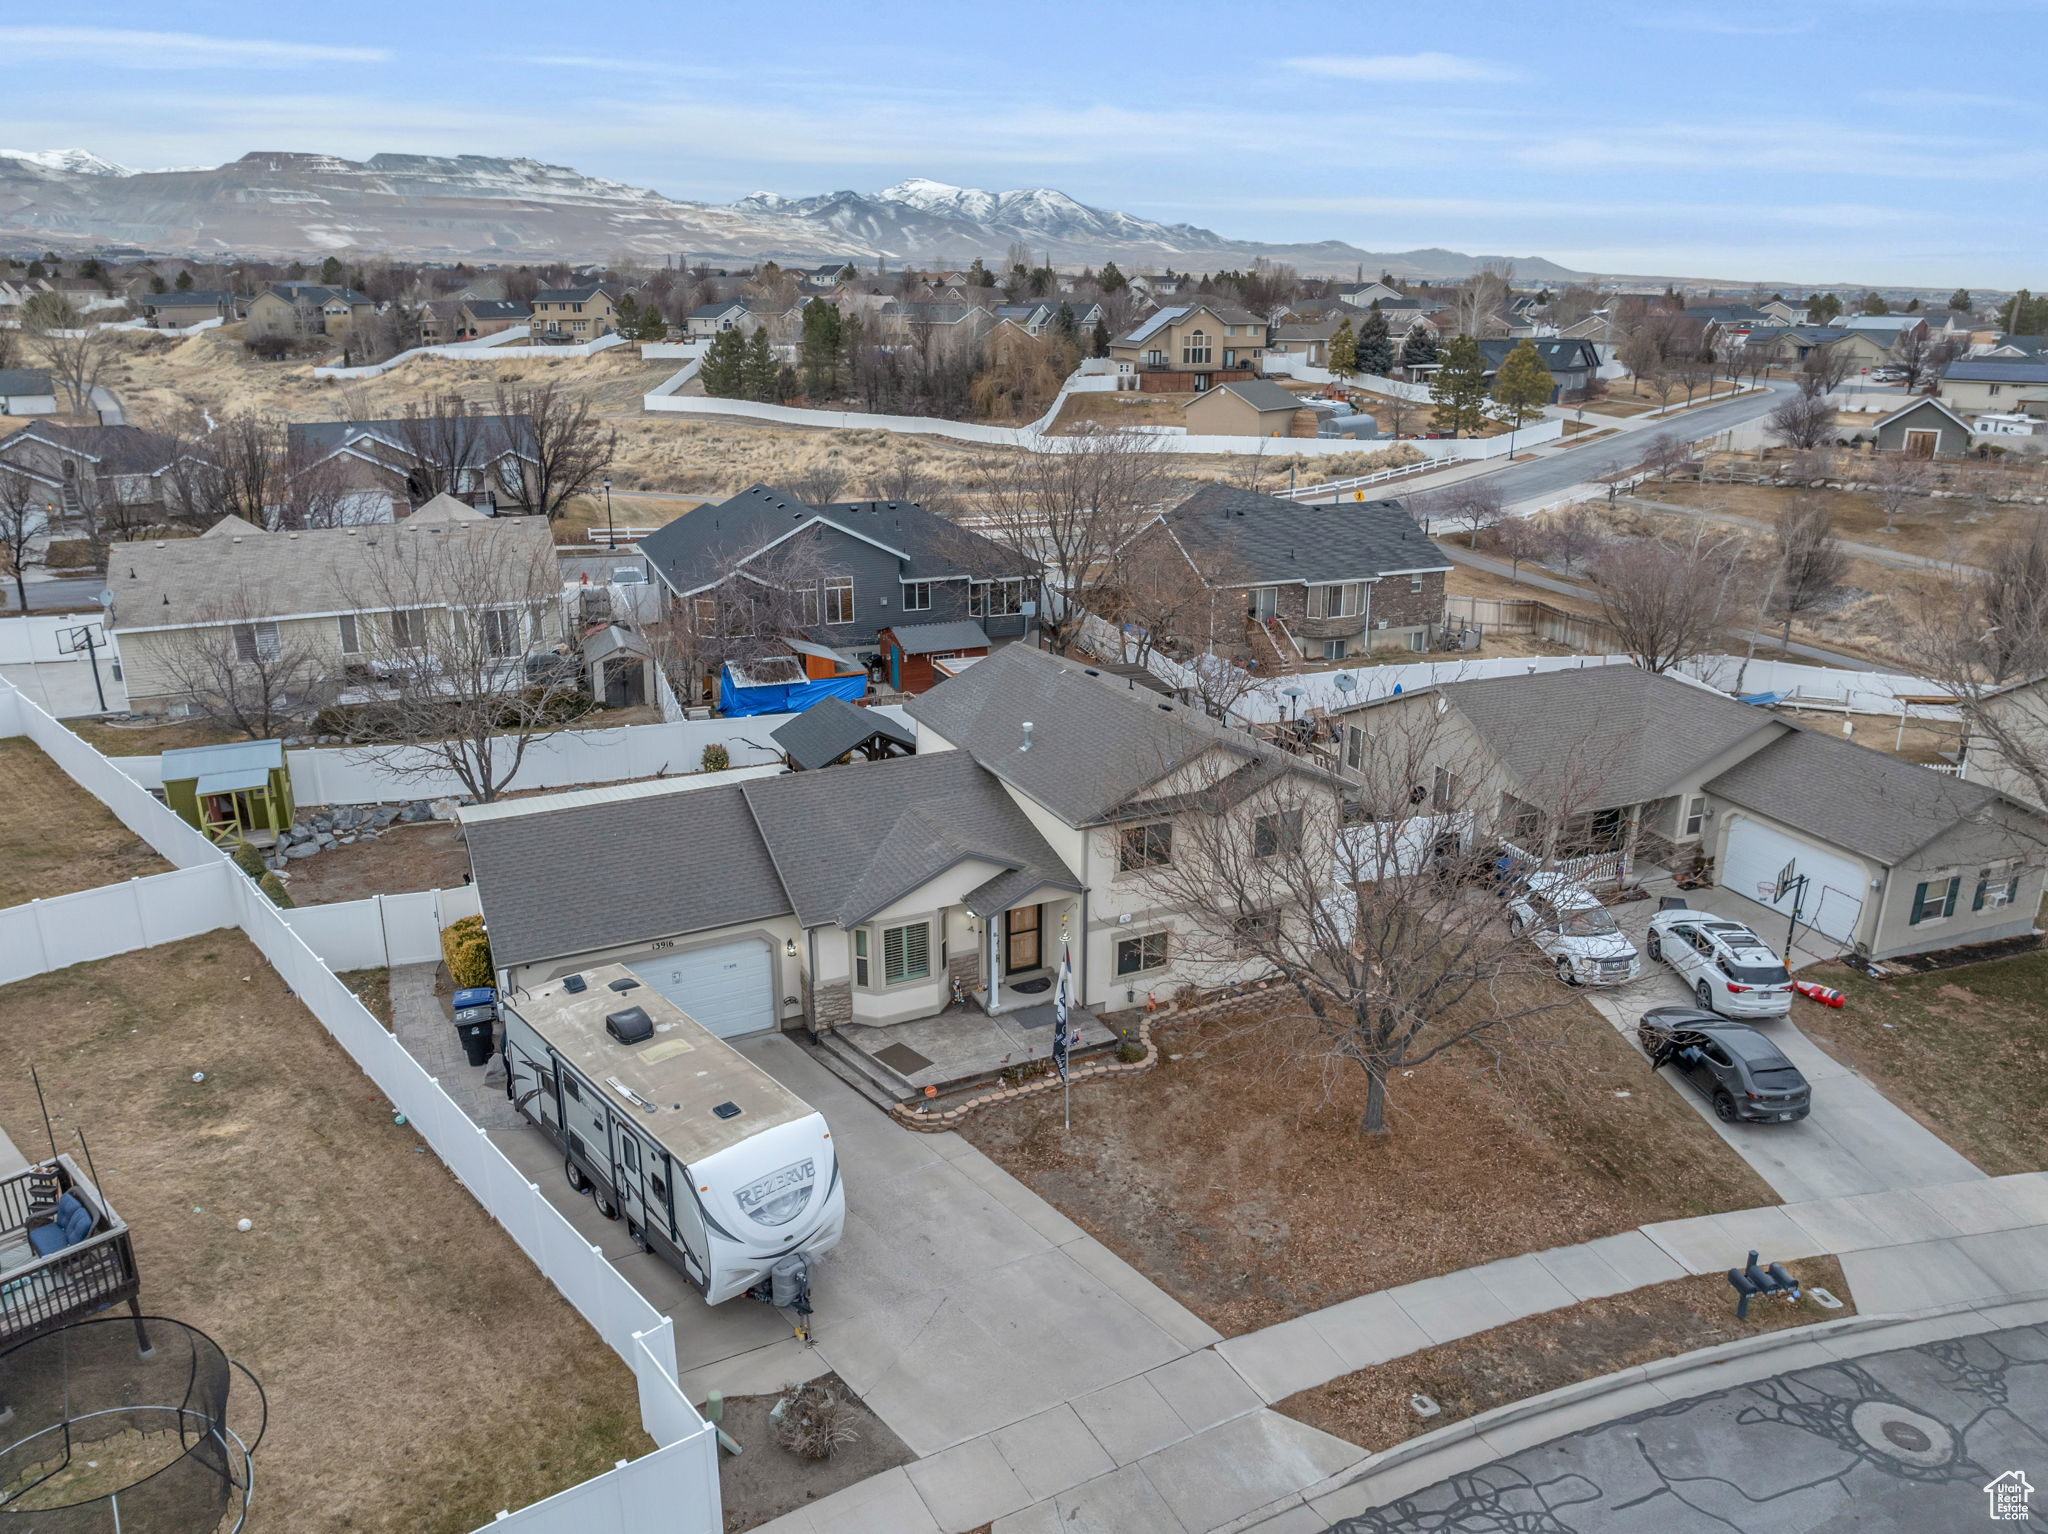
(906, 953)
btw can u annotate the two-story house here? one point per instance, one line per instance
(187, 607)
(181, 311)
(1190, 348)
(294, 311)
(856, 903)
(860, 566)
(1314, 582)
(385, 469)
(565, 316)
(95, 473)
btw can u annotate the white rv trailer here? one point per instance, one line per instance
(715, 1166)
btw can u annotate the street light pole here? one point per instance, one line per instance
(611, 538)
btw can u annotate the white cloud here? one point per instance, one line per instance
(172, 50)
(1401, 68)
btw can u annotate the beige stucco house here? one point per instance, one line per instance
(1191, 346)
(573, 314)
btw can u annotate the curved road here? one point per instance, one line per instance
(1905, 1442)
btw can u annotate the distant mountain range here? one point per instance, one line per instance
(478, 208)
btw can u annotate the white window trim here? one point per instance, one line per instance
(924, 925)
(829, 588)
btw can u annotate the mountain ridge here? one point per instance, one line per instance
(288, 204)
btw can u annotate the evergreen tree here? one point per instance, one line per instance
(758, 370)
(1873, 303)
(848, 274)
(89, 267)
(722, 371)
(823, 336)
(2026, 315)
(1822, 307)
(652, 326)
(1375, 344)
(296, 272)
(1960, 301)
(1101, 337)
(1523, 384)
(1419, 350)
(331, 271)
(1063, 321)
(157, 283)
(1111, 280)
(980, 276)
(184, 282)
(35, 270)
(1913, 307)
(626, 316)
(1457, 389)
(1344, 349)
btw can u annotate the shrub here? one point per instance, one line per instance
(716, 758)
(72, 554)
(273, 886)
(814, 1422)
(467, 949)
(249, 859)
(1130, 1052)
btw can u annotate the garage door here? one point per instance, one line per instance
(1833, 898)
(730, 989)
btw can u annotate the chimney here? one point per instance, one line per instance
(1027, 736)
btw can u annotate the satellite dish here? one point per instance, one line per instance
(106, 597)
(1346, 682)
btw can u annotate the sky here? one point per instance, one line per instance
(1883, 141)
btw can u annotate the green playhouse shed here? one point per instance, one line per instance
(238, 793)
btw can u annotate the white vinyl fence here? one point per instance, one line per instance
(675, 1488)
(565, 759)
(384, 929)
(470, 350)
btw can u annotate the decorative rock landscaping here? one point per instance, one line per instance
(316, 830)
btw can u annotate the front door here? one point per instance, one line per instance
(1020, 939)
(1921, 444)
(1262, 602)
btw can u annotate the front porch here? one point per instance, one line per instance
(961, 1046)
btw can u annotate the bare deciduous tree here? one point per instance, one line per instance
(248, 672)
(1666, 456)
(1073, 512)
(446, 620)
(572, 451)
(1896, 481)
(1667, 599)
(1823, 369)
(1801, 420)
(75, 350)
(741, 614)
(1570, 538)
(1910, 355)
(21, 527)
(1807, 559)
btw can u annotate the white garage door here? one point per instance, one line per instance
(1833, 898)
(730, 989)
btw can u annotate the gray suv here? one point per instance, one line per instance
(1743, 1074)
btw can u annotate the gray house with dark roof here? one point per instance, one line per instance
(1296, 582)
(1895, 857)
(867, 895)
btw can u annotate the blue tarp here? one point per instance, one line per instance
(786, 697)
(1763, 699)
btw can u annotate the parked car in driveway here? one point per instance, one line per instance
(1728, 968)
(1567, 921)
(1743, 1074)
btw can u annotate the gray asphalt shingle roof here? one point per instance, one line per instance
(830, 728)
(1989, 371)
(1239, 537)
(1881, 806)
(849, 842)
(562, 882)
(1261, 394)
(1098, 741)
(935, 638)
(1603, 736)
(22, 381)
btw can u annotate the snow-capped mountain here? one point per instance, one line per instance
(479, 207)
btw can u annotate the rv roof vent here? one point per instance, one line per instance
(632, 1026)
(727, 1110)
(575, 985)
(622, 984)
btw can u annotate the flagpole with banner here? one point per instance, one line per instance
(1062, 1037)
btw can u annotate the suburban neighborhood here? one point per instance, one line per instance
(950, 861)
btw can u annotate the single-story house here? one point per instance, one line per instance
(1927, 428)
(1572, 363)
(833, 730)
(847, 900)
(709, 319)
(909, 649)
(1251, 407)
(177, 311)
(27, 391)
(1888, 857)
(1979, 384)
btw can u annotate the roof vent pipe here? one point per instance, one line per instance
(1027, 736)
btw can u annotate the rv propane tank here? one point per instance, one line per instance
(789, 1283)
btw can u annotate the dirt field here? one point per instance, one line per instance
(1561, 1347)
(1620, 402)
(1963, 1050)
(1260, 1200)
(405, 858)
(1933, 529)
(422, 1374)
(55, 838)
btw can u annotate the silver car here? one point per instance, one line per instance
(1568, 922)
(1729, 969)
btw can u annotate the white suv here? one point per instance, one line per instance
(1568, 922)
(1730, 969)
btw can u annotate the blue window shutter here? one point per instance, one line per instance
(1983, 884)
(1948, 906)
(1919, 899)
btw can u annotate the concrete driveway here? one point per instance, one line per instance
(958, 1302)
(1854, 1141)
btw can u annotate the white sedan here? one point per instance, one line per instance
(1568, 922)
(1730, 969)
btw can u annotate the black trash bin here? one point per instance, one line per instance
(476, 1018)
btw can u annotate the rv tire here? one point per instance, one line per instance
(577, 1181)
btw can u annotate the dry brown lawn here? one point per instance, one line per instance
(1547, 1352)
(422, 1374)
(1244, 1188)
(1932, 529)
(152, 738)
(55, 838)
(425, 856)
(1120, 410)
